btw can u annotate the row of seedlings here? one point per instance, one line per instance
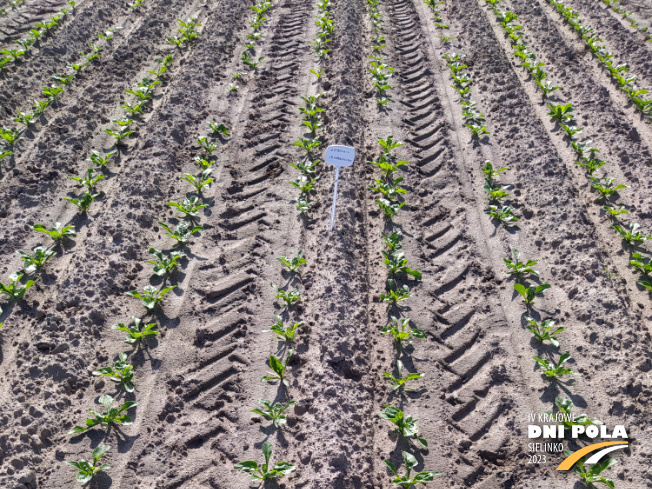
(629, 16)
(312, 113)
(620, 73)
(164, 262)
(380, 72)
(285, 328)
(248, 56)
(51, 93)
(286, 296)
(390, 201)
(39, 31)
(13, 4)
(586, 154)
(545, 330)
(15, 289)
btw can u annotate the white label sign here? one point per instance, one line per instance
(339, 156)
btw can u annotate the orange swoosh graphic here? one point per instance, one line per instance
(570, 461)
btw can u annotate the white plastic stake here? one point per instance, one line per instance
(338, 156)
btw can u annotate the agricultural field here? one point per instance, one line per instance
(176, 313)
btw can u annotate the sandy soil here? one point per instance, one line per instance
(197, 382)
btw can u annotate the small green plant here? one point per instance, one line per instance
(283, 332)
(490, 172)
(388, 168)
(633, 235)
(529, 293)
(613, 212)
(406, 426)
(52, 92)
(518, 267)
(544, 331)
(318, 74)
(393, 241)
(477, 130)
(292, 264)
(565, 407)
(111, 416)
(279, 369)
(389, 208)
(216, 129)
(134, 331)
(27, 119)
(288, 297)
(395, 295)
(232, 87)
(162, 265)
(389, 190)
(304, 184)
(33, 263)
(398, 328)
(182, 233)
(303, 205)
(265, 471)
(398, 382)
(89, 180)
(84, 202)
(407, 481)
(590, 165)
(561, 113)
(150, 295)
(133, 109)
(591, 476)
(504, 215)
(389, 144)
(122, 372)
(58, 232)
(552, 370)
(495, 192)
(606, 186)
(307, 167)
(86, 470)
(10, 135)
(189, 207)
(199, 183)
(203, 162)
(307, 144)
(397, 263)
(120, 135)
(274, 411)
(639, 264)
(14, 290)
(207, 145)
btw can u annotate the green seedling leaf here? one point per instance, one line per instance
(283, 332)
(14, 290)
(134, 331)
(395, 295)
(278, 369)
(552, 370)
(518, 267)
(84, 202)
(162, 265)
(265, 471)
(529, 293)
(110, 417)
(398, 328)
(545, 331)
(34, 263)
(274, 411)
(406, 426)
(90, 180)
(189, 207)
(292, 264)
(399, 381)
(58, 232)
(406, 481)
(288, 297)
(122, 372)
(182, 233)
(86, 470)
(151, 296)
(565, 407)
